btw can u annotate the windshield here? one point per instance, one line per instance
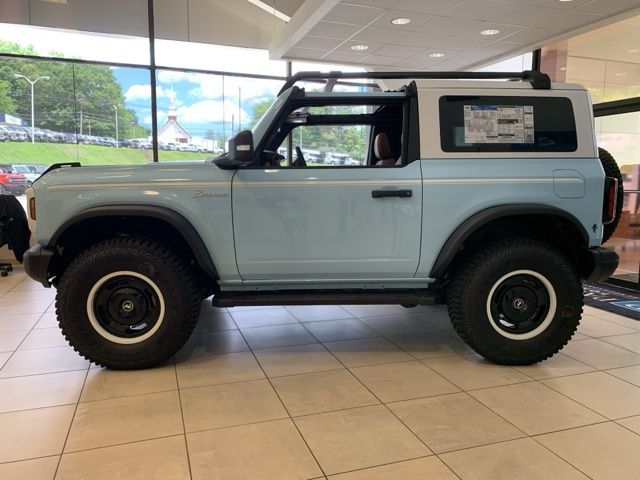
(21, 169)
(260, 128)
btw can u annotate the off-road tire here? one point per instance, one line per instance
(469, 295)
(611, 170)
(178, 289)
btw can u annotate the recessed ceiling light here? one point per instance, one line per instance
(490, 31)
(359, 47)
(633, 50)
(401, 21)
(437, 55)
(620, 74)
(565, 0)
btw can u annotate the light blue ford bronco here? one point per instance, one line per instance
(489, 196)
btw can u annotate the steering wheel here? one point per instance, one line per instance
(299, 161)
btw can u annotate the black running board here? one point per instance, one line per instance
(326, 297)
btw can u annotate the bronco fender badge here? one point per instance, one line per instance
(199, 193)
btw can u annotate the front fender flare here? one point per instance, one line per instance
(173, 218)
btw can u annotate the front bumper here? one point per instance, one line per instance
(599, 264)
(36, 263)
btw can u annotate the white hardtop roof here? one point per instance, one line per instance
(425, 84)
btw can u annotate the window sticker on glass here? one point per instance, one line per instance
(498, 124)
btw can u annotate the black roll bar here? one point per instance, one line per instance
(537, 79)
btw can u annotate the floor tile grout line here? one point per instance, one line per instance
(598, 368)
(624, 426)
(25, 337)
(184, 427)
(561, 458)
(345, 318)
(29, 459)
(602, 339)
(311, 452)
(42, 373)
(542, 384)
(382, 403)
(73, 417)
(608, 372)
(90, 449)
(384, 465)
(469, 389)
(576, 401)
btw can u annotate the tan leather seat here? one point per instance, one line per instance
(382, 151)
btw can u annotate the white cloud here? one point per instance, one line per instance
(170, 76)
(142, 92)
(210, 111)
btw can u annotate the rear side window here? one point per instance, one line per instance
(507, 124)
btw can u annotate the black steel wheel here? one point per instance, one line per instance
(128, 303)
(516, 301)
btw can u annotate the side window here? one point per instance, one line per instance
(343, 135)
(329, 145)
(507, 124)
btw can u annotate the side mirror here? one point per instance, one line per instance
(241, 148)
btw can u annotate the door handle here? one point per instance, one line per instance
(391, 193)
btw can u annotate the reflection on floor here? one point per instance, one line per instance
(629, 251)
(351, 392)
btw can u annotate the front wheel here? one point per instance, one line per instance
(515, 302)
(127, 303)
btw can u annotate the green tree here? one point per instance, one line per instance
(74, 97)
(258, 110)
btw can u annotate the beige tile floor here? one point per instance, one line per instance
(338, 392)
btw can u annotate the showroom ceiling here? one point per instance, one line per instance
(430, 34)
(435, 34)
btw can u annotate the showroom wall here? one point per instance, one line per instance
(607, 62)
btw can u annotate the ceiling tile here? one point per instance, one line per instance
(608, 7)
(372, 34)
(380, 60)
(344, 57)
(354, 14)
(483, 9)
(417, 19)
(505, 30)
(544, 17)
(556, 4)
(531, 35)
(450, 26)
(432, 7)
(417, 63)
(398, 51)
(334, 30)
(319, 43)
(426, 54)
(376, 3)
(305, 53)
(427, 40)
(346, 47)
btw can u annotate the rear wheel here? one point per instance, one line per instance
(516, 302)
(127, 303)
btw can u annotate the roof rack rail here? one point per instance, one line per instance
(538, 79)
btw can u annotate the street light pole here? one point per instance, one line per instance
(32, 83)
(115, 107)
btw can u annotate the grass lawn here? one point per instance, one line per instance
(50, 153)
